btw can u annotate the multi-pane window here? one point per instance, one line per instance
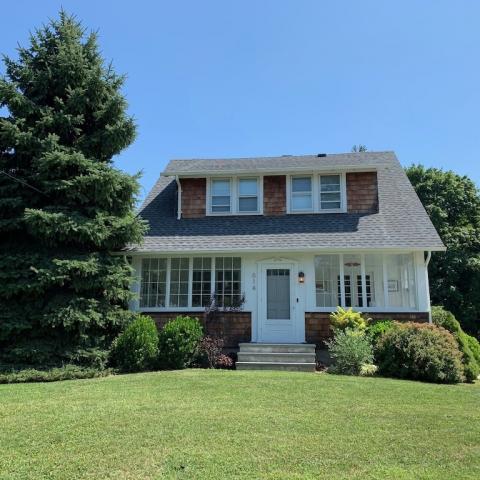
(248, 195)
(184, 282)
(228, 281)
(221, 195)
(364, 282)
(201, 281)
(179, 273)
(301, 195)
(154, 282)
(330, 192)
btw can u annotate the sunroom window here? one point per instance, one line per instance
(365, 281)
(185, 282)
(221, 196)
(301, 197)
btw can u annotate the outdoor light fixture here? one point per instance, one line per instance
(301, 277)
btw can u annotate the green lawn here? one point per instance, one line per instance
(212, 424)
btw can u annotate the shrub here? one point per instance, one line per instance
(468, 345)
(224, 361)
(67, 372)
(376, 329)
(136, 348)
(350, 349)
(419, 352)
(211, 349)
(368, 370)
(343, 319)
(179, 342)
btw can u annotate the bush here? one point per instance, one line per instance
(376, 329)
(67, 372)
(350, 350)
(343, 319)
(224, 361)
(179, 342)
(468, 345)
(136, 348)
(368, 370)
(419, 352)
(210, 350)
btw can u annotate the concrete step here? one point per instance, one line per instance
(276, 357)
(277, 348)
(292, 367)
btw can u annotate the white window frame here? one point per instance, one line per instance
(210, 195)
(305, 193)
(234, 196)
(316, 193)
(189, 308)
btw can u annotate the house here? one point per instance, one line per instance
(296, 235)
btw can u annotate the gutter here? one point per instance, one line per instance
(179, 194)
(427, 261)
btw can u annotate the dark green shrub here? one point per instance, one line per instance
(179, 342)
(67, 372)
(419, 352)
(136, 348)
(350, 350)
(374, 330)
(466, 343)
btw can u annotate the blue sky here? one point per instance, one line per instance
(258, 77)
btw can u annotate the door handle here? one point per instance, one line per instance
(297, 299)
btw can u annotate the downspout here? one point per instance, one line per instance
(427, 261)
(179, 198)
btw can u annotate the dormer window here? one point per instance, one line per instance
(235, 196)
(221, 196)
(317, 193)
(248, 195)
(301, 194)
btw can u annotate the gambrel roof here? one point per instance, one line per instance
(401, 223)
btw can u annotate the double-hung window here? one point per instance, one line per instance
(301, 198)
(221, 195)
(248, 195)
(330, 192)
(235, 195)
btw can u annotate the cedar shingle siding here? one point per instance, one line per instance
(274, 195)
(362, 192)
(194, 194)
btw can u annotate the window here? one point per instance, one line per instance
(301, 198)
(330, 192)
(234, 195)
(327, 270)
(228, 281)
(201, 281)
(221, 195)
(248, 195)
(154, 282)
(369, 281)
(179, 273)
(184, 282)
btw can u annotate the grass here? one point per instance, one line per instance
(212, 424)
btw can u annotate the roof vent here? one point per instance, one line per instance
(321, 155)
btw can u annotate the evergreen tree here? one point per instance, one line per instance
(63, 207)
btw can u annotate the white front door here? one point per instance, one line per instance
(277, 305)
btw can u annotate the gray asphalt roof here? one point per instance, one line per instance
(401, 222)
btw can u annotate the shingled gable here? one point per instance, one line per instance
(401, 222)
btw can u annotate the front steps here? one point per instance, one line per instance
(299, 357)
